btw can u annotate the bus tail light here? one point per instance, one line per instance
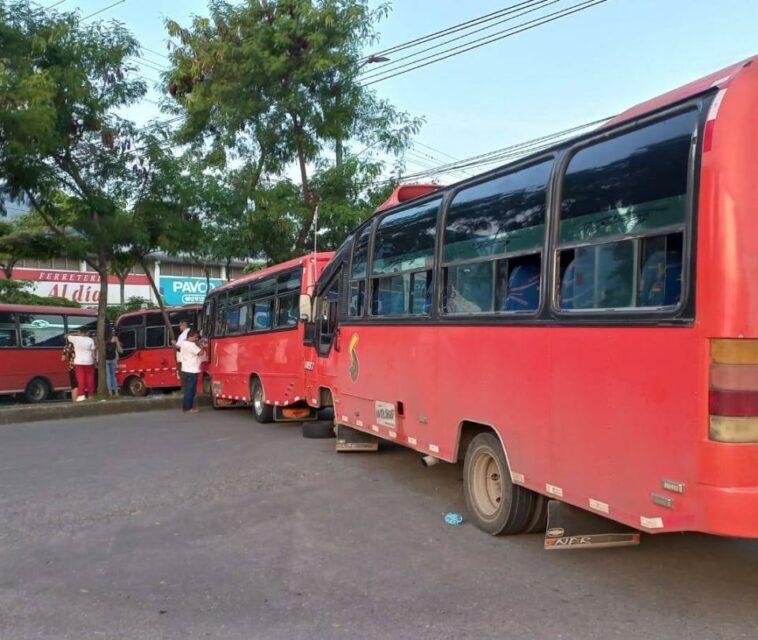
(296, 413)
(733, 391)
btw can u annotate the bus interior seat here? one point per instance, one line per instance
(523, 288)
(661, 282)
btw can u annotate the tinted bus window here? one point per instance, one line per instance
(405, 240)
(39, 330)
(288, 310)
(78, 323)
(503, 218)
(128, 340)
(263, 288)
(290, 281)
(154, 319)
(155, 337)
(8, 334)
(132, 321)
(503, 215)
(262, 315)
(633, 184)
(358, 272)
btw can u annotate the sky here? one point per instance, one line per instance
(574, 70)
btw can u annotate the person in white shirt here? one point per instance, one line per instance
(184, 330)
(191, 356)
(84, 363)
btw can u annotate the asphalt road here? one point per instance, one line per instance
(154, 526)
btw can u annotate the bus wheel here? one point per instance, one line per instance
(495, 504)
(262, 412)
(37, 390)
(538, 520)
(136, 387)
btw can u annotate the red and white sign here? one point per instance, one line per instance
(83, 286)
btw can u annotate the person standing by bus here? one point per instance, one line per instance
(113, 349)
(69, 353)
(184, 330)
(84, 361)
(191, 356)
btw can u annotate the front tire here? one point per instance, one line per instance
(136, 387)
(37, 391)
(495, 504)
(262, 412)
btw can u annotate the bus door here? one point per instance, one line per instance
(320, 364)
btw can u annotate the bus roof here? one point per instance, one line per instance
(139, 312)
(405, 192)
(321, 256)
(48, 309)
(717, 80)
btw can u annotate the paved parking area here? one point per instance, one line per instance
(158, 526)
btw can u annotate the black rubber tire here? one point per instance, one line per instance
(538, 520)
(263, 413)
(38, 390)
(513, 508)
(318, 429)
(136, 387)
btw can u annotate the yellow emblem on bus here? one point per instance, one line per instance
(354, 365)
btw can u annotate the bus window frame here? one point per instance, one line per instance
(371, 277)
(542, 251)
(684, 310)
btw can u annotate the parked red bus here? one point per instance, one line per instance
(31, 345)
(149, 359)
(256, 340)
(577, 325)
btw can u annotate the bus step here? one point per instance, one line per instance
(353, 440)
(569, 527)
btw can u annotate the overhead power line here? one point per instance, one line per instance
(512, 14)
(103, 10)
(454, 51)
(447, 31)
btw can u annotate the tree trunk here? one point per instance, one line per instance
(142, 263)
(310, 202)
(102, 308)
(122, 286)
(338, 152)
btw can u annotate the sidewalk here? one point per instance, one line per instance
(59, 410)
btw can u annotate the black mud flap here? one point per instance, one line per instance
(349, 439)
(569, 527)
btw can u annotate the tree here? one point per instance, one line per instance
(63, 145)
(273, 86)
(27, 238)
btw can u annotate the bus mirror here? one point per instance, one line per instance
(305, 307)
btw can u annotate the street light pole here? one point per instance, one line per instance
(338, 150)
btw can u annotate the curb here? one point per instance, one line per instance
(61, 411)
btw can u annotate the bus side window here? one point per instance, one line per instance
(8, 335)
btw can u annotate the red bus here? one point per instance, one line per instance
(577, 325)
(31, 345)
(149, 359)
(256, 351)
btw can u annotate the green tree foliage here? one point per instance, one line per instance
(63, 145)
(19, 292)
(272, 86)
(28, 238)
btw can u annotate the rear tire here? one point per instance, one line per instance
(538, 520)
(136, 387)
(262, 412)
(318, 430)
(495, 504)
(38, 390)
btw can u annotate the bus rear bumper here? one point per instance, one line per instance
(729, 511)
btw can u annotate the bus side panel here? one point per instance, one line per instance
(386, 384)
(629, 406)
(19, 366)
(157, 367)
(275, 357)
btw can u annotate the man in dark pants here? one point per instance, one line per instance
(191, 355)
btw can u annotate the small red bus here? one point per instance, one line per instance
(149, 359)
(256, 352)
(31, 345)
(577, 325)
